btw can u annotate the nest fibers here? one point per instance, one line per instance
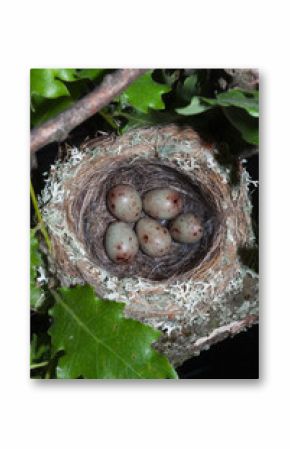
(199, 293)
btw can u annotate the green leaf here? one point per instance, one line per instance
(48, 109)
(239, 98)
(195, 107)
(36, 294)
(188, 88)
(145, 93)
(50, 96)
(65, 74)
(248, 126)
(90, 74)
(43, 82)
(100, 343)
(170, 76)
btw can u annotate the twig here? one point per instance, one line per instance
(109, 120)
(223, 332)
(247, 153)
(39, 365)
(58, 128)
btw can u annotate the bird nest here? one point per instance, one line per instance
(197, 292)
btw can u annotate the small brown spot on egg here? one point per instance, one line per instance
(122, 257)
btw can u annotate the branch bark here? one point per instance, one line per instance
(58, 128)
(220, 333)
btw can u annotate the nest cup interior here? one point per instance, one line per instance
(92, 217)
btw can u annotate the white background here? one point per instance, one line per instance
(166, 414)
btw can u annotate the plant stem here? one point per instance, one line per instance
(130, 117)
(109, 120)
(141, 121)
(39, 365)
(39, 217)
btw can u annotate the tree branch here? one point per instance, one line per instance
(223, 332)
(58, 128)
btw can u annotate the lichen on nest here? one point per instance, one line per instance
(192, 291)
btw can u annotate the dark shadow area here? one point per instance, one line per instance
(234, 358)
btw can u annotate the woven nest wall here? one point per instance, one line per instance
(199, 293)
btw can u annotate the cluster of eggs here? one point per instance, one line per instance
(122, 242)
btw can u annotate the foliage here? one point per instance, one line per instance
(244, 123)
(46, 82)
(240, 107)
(36, 293)
(232, 97)
(82, 336)
(145, 93)
(179, 95)
(99, 343)
(239, 98)
(195, 107)
(54, 90)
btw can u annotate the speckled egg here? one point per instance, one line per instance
(163, 203)
(186, 228)
(154, 239)
(124, 203)
(121, 242)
